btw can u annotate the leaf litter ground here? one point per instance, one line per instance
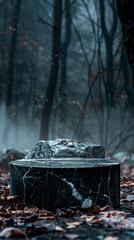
(17, 220)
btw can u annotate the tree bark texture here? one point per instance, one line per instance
(126, 15)
(12, 50)
(63, 74)
(53, 77)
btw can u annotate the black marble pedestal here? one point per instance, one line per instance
(56, 183)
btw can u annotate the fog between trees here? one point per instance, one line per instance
(64, 73)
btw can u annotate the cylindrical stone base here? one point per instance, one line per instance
(57, 183)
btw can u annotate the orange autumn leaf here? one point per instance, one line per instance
(11, 156)
(25, 43)
(35, 43)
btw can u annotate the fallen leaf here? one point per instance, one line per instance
(71, 226)
(111, 238)
(12, 156)
(74, 223)
(71, 235)
(30, 230)
(15, 198)
(91, 218)
(12, 232)
(130, 198)
(66, 213)
(95, 209)
(130, 183)
(106, 208)
(31, 218)
(45, 218)
(49, 227)
(31, 211)
(59, 229)
(17, 213)
(44, 212)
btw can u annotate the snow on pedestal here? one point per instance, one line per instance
(66, 148)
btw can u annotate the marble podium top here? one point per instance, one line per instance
(64, 163)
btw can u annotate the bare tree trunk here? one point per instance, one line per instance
(12, 50)
(56, 42)
(108, 37)
(63, 75)
(109, 81)
(127, 80)
(10, 68)
(2, 51)
(126, 15)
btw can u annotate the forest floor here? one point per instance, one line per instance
(21, 221)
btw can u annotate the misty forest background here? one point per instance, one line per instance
(64, 73)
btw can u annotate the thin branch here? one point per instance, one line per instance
(69, 5)
(87, 17)
(44, 22)
(50, 4)
(44, 9)
(90, 90)
(81, 44)
(122, 141)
